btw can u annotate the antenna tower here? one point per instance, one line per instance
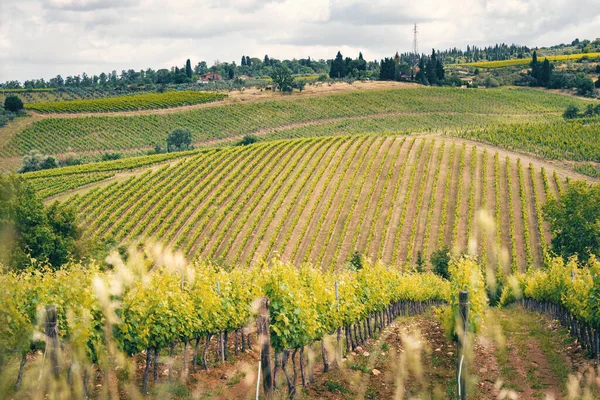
(415, 48)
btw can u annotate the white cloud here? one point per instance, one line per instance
(43, 38)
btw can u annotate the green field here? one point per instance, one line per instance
(145, 101)
(527, 61)
(562, 140)
(414, 109)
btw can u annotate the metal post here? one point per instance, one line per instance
(339, 329)
(221, 332)
(463, 320)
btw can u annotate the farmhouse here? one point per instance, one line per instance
(210, 76)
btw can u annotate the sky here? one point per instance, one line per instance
(43, 38)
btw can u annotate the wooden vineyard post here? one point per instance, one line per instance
(339, 329)
(463, 320)
(264, 339)
(52, 345)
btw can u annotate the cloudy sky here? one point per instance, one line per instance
(43, 38)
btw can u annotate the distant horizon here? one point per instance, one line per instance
(237, 62)
(44, 38)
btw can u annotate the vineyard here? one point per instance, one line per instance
(373, 110)
(144, 101)
(562, 140)
(175, 302)
(527, 61)
(389, 197)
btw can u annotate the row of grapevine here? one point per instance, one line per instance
(315, 173)
(354, 200)
(524, 215)
(483, 206)
(149, 305)
(446, 199)
(538, 211)
(406, 203)
(210, 124)
(415, 224)
(287, 197)
(323, 214)
(136, 102)
(331, 168)
(459, 193)
(232, 212)
(250, 202)
(560, 140)
(566, 291)
(114, 165)
(395, 194)
(431, 205)
(366, 203)
(527, 61)
(498, 210)
(511, 210)
(471, 203)
(48, 187)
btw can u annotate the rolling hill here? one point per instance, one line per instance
(319, 199)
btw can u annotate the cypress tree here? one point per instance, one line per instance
(546, 73)
(243, 61)
(420, 77)
(188, 68)
(535, 67)
(338, 67)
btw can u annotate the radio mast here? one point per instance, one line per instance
(415, 48)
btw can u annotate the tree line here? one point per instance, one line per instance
(542, 74)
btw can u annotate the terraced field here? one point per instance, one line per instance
(410, 109)
(319, 199)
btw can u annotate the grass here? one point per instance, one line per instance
(521, 328)
(335, 387)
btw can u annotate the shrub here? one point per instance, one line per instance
(248, 140)
(179, 139)
(571, 112)
(440, 259)
(13, 103)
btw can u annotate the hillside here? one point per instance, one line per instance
(320, 199)
(414, 109)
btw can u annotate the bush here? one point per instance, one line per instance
(571, 112)
(585, 86)
(440, 260)
(356, 261)
(35, 161)
(248, 140)
(110, 156)
(491, 82)
(466, 275)
(597, 84)
(179, 139)
(13, 103)
(31, 230)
